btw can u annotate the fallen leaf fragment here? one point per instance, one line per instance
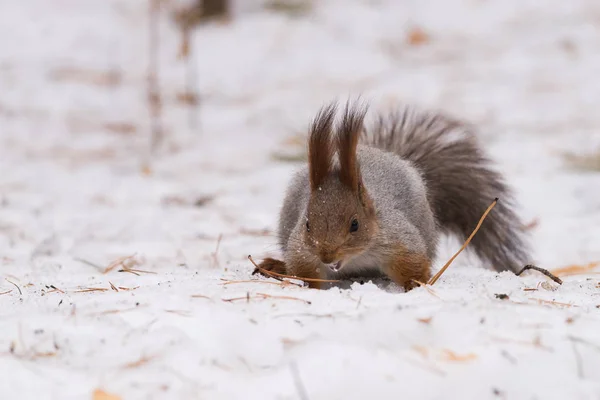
(100, 394)
(575, 269)
(417, 37)
(449, 355)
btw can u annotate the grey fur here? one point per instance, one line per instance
(426, 174)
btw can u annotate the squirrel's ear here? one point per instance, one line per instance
(347, 140)
(320, 147)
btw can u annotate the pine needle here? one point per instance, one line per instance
(441, 271)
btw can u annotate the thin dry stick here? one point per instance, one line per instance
(54, 288)
(298, 381)
(427, 287)
(200, 296)
(130, 271)
(558, 303)
(441, 271)
(134, 271)
(543, 271)
(280, 283)
(154, 98)
(577, 359)
(85, 290)
(17, 286)
(118, 262)
(275, 274)
(270, 296)
(263, 296)
(86, 262)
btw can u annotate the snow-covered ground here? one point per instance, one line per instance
(79, 190)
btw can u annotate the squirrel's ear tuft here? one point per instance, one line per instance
(320, 146)
(347, 140)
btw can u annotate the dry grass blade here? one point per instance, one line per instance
(129, 271)
(270, 296)
(557, 303)
(17, 286)
(119, 262)
(200, 296)
(275, 274)
(449, 355)
(136, 271)
(280, 283)
(575, 269)
(102, 395)
(265, 296)
(7, 292)
(183, 313)
(128, 288)
(55, 289)
(441, 271)
(427, 287)
(85, 290)
(140, 362)
(116, 311)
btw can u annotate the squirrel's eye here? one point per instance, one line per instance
(307, 227)
(354, 225)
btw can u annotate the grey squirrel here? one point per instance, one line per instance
(379, 207)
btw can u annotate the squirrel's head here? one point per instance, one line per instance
(340, 219)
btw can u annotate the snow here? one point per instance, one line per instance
(73, 191)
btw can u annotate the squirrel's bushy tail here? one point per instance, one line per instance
(461, 182)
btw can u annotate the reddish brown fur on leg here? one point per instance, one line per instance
(307, 270)
(279, 267)
(406, 267)
(272, 265)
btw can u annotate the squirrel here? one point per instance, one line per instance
(380, 206)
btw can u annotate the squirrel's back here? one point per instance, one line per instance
(460, 181)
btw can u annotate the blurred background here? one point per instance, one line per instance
(169, 129)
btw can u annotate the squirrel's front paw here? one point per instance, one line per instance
(271, 265)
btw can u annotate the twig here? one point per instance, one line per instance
(154, 98)
(543, 271)
(553, 302)
(427, 287)
(580, 340)
(85, 290)
(298, 381)
(275, 274)
(577, 359)
(183, 313)
(136, 271)
(57, 289)
(118, 262)
(191, 83)
(215, 255)
(270, 296)
(200, 296)
(265, 296)
(441, 271)
(280, 283)
(140, 362)
(128, 288)
(17, 286)
(91, 264)
(235, 299)
(130, 271)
